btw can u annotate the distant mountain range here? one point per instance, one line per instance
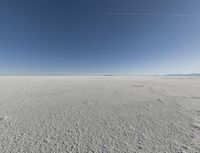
(191, 74)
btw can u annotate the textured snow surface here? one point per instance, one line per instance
(99, 114)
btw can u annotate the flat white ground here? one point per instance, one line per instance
(100, 114)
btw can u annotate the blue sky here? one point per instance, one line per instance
(99, 37)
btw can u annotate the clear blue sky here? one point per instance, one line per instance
(99, 36)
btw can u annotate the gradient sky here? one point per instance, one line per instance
(99, 36)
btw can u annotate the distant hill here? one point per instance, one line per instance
(191, 74)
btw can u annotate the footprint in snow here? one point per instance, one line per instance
(137, 86)
(3, 118)
(160, 100)
(196, 125)
(198, 112)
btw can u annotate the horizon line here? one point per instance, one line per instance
(107, 75)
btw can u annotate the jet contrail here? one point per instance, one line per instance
(152, 14)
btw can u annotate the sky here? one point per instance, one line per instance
(97, 37)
